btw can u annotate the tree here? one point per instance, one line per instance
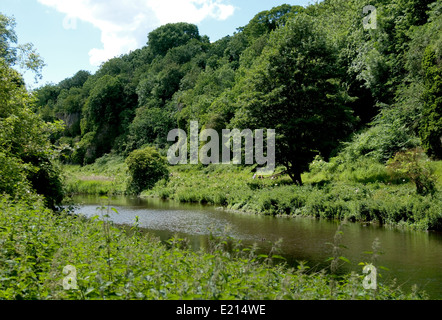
(414, 165)
(150, 126)
(420, 97)
(77, 81)
(170, 36)
(146, 167)
(46, 99)
(26, 154)
(268, 20)
(293, 88)
(431, 127)
(23, 55)
(102, 115)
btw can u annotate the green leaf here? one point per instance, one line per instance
(344, 259)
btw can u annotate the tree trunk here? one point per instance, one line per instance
(295, 176)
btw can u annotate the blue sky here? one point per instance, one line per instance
(73, 35)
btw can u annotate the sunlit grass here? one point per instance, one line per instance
(106, 176)
(363, 195)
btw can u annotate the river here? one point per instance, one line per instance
(411, 257)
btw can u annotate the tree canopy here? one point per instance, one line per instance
(26, 152)
(294, 86)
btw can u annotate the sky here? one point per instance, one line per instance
(73, 35)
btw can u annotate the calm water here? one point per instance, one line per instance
(411, 257)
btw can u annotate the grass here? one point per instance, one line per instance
(358, 196)
(116, 263)
(106, 176)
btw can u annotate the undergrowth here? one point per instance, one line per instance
(116, 263)
(358, 196)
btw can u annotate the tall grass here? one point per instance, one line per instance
(106, 176)
(363, 193)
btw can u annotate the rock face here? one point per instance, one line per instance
(71, 120)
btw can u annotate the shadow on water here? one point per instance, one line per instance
(411, 257)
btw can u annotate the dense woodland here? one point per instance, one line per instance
(314, 74)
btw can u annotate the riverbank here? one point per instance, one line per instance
(116, 263)
(366, 194)
(235, 189)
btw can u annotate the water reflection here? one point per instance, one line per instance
(411, 257)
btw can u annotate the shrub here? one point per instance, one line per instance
(146, 167)
(414, 165)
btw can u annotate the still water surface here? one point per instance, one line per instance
(411, 257)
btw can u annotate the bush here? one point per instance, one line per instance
(146, 167)
(414, 165)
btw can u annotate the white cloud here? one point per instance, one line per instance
(124, 25)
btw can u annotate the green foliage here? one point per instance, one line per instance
(267, 21)
(13, 176)
(8, 36)
(203, 101)
(388, 135)
(146, 167)
(294, 88)
(26, 153)
(431, 127)
(116, 263)
(150, 126)
(23, 56)
(170, 36)
(103, 114)
(419, 96)
(77, 81)
(415, 166)
(106, 176)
